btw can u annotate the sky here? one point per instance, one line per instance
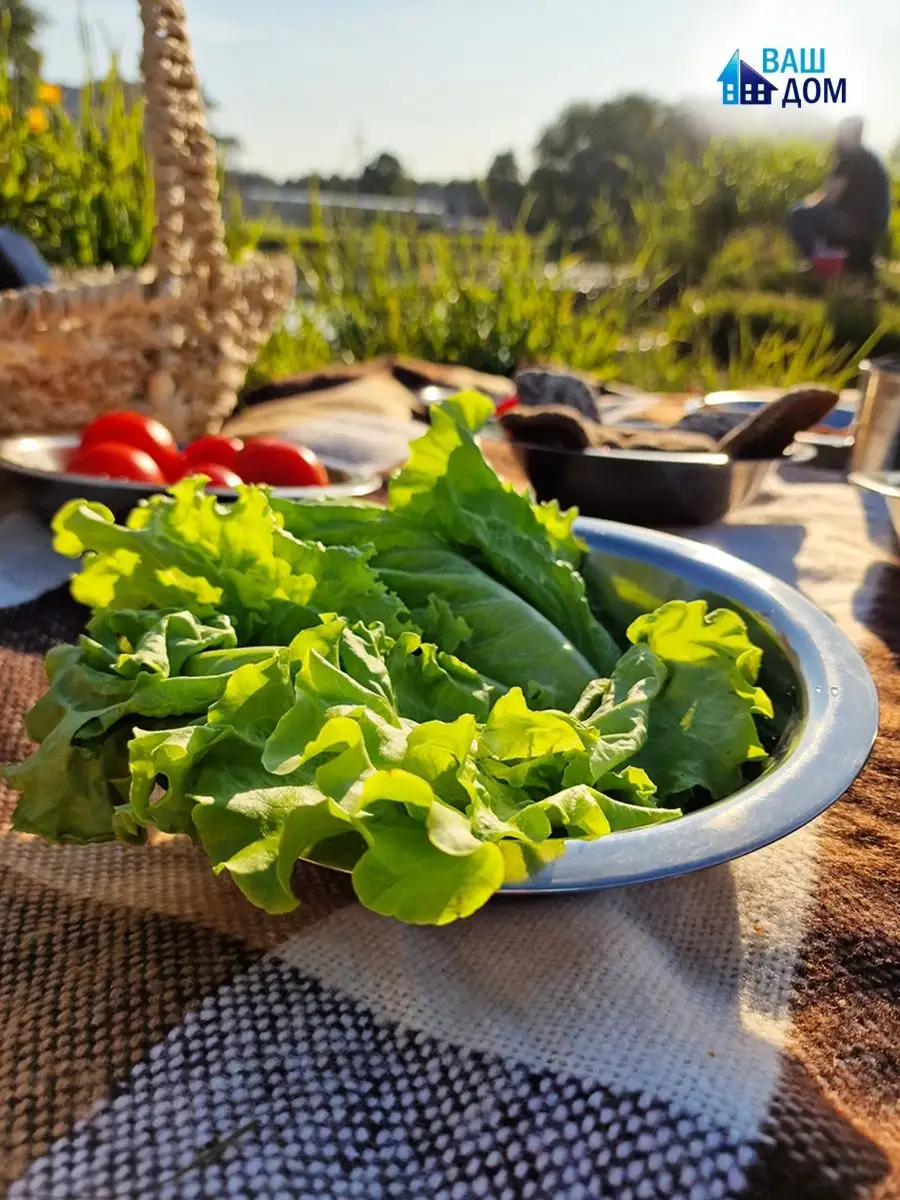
(319, 85)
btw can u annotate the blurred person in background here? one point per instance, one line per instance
(851, 210)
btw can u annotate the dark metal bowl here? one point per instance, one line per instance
(35, 467)
(647, 487)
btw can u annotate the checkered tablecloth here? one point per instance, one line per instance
(735, 1033)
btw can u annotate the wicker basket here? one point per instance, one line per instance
(175, 339)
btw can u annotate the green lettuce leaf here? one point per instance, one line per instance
(429, 684)
(71, 785)
(550, 751)
(449, 489)
(702, 727)
(420, 696)
(189, 551)
(454, 604)
(307, 748)
(425, 870)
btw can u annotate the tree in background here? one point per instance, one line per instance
(384, 176)
(20, 24)
(504, 188)
(614, 150)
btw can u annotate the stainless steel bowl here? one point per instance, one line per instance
(825, 704)
(823, 694)
(35, 467)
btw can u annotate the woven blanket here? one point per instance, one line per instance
(733, 1033)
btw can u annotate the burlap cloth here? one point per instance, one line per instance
(732, 1033)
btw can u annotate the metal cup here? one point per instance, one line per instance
(877, 433)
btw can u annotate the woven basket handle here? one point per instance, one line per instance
(189, 238)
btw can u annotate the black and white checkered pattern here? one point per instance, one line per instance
(279, 1087)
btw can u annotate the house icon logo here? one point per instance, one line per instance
(741, 84)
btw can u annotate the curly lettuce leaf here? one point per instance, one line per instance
(448, 488)
(702, 728)
(125, 642)
(256, 811)
(554, 750)
(308, 748)
(188, 551)
(430, 684)
(71, 785)
(453, 603)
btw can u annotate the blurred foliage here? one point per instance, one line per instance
(758, 258)
(893, 249)
(20, 24)
(491, 302)
(695, 206)
(384, 176)
(80, 189)
(777, 357)
(721, 322)
(614, 150)
(504, 189)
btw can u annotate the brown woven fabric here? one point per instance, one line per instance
(103, 949)
(846, 1029)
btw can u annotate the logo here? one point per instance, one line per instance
(741, 84)
(806, 82)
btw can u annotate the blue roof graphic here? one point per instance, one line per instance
(742, 84)
(731, 73)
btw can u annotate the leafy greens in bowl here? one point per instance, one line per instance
(433, 695)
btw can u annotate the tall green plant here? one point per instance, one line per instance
(80, 188)
(491, 301)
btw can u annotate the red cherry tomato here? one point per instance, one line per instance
(505, 405)
(219, 476)
(282, 464)
(115, 461)
(214, 449)
(143, 433)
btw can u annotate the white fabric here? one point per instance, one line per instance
(29, 566)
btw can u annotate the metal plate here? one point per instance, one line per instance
(817, 681)
(37, 466)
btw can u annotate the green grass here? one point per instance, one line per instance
(725, 321)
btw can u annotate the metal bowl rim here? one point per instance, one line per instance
(834, 739)
(871, 481)
(795, 453)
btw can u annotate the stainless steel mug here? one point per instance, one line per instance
(876, 447)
